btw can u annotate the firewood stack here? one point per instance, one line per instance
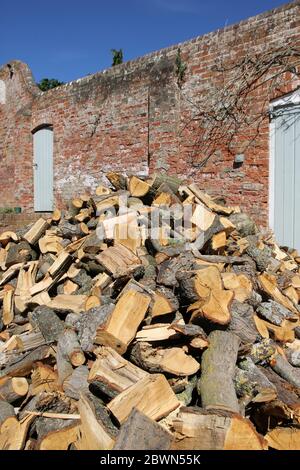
(115, 335)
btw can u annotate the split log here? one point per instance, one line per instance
(23, 365)
(92, 435)
(7, 412)
(250, 381)
(172, 360)
(282, 438)
(71, 347)
(151, 395)
(112, 374)
(216, 308)
(165, 302)
(293, 357)
(242, 323)
(48, 323)
(208, 201)
(286, 370)
(13, 389)
(19, 253)
(87, 323)
(124, 321)
(60, 439)
(14, 432)
(63, 364)
(142, 433)
(157, 332)
(215, 385)
(60, 265)
(239, 284)
(198, 429)
(172, 181)
(137, 187)
(117, 180)
(243, 224)
(118, 260)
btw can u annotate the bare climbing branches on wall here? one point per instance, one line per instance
(236, 104)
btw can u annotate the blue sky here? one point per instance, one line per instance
(67, 39)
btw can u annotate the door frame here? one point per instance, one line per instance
(33, 132)
(284, 102)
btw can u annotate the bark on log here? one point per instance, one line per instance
(142, 433)
(286, 370)
(215, 385)
(13, 389)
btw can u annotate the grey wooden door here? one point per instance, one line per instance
(286, 185)
(43, 170)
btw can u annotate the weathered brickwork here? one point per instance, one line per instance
(135, 118)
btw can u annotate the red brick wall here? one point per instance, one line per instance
(135, 118)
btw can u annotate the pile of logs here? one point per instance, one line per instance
(116, 337)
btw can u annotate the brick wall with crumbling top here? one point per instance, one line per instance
(135, 118)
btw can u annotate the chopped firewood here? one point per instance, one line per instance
(118, 260)
(218, 242)
(239, 284)
(7, 413)
(151, 395)
(100, 190)
(61, 264)
(13, 389)
(172, 360)
(157, 332)
(216, 308)
(197, 429)
(60, 439)
(284, 438)
(164, 302)
(13, 433)
(92, 434)
(91, 302)
(268, 283)
(43, 379)
(77, 382)
(141, 433)
(76, 303)
(122, 326)
(8, 308)
(137, 187)
(217, 369)
(71, 347)
(112, 373)
(144, 298)
(36, 232)
(286, 370)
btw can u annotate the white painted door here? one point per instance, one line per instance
(43, 170)
(286, 175)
